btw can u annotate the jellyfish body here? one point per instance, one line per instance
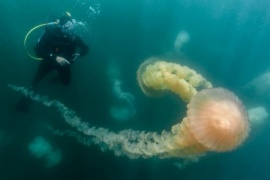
(122, 108)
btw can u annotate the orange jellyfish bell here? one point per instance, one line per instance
(217, 119)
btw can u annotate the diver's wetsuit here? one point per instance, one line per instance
(52, 44)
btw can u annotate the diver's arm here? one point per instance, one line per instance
(82, 46)
(42, 49)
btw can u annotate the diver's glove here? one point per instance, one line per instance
(75, 56)
(62, 61)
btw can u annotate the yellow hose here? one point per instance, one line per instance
(25, 40)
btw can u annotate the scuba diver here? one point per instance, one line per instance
(58, 47)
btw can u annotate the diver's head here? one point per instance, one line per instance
(67, 26)
(63, 27)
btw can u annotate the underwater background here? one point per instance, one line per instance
(226, 41)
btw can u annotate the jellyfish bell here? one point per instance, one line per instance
(217, 119)
(143, 78)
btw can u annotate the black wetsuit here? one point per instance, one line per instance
(53, 44)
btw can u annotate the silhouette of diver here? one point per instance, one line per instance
(59, 46)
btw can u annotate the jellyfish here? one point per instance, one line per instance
(41, 148)
(216, 118)
(123, 107)
(257, 115)
(181, 38)
(259, 86)
(258, 120)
